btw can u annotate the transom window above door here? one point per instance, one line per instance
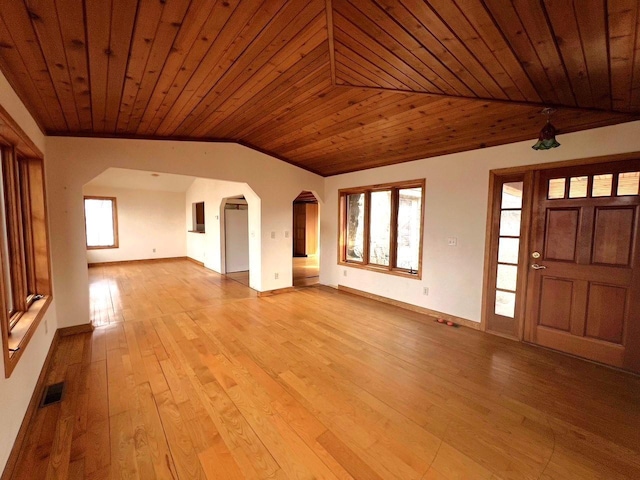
(594, 186)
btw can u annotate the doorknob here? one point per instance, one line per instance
(535, 266)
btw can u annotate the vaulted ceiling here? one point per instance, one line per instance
(330, 85)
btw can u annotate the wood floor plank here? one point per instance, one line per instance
(191, 375)
(150, 430)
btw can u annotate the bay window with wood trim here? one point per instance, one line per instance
(25, 285)
(381, 227)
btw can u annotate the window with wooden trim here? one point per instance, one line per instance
(101, 222)
(595, 186)
(25, 281)
(197, 211)
(381, 227)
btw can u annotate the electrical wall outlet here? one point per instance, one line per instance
(452, 241)
(154, 250)
(344, 272)
(286, 234)
(273, 234)
(425, 290)
(276, 276)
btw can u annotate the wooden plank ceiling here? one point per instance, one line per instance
(330, 85)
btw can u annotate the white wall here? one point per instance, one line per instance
(16, 391)
(236, 231)
(147, 220)
(456, 206)
(74, 161)
(209, 247)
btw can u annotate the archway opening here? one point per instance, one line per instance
(306, 240)
(234, 238)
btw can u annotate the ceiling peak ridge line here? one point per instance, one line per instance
(493, 100)
(330, 40)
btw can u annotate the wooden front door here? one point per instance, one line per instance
(583, 292)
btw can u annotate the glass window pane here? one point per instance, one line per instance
(510, 223)
(5, 246)
(508, 249)
(505, 304)
(512, 195)
(628, 183)
(409, 213)
(578, 187)
(507, 277)
(602, 185)
(556, 188)
(99, 222)
(355, 227)
(380, 227)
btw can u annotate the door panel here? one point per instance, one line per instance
(555, 312)
(561, 232)
(606, 312)
(583, 294)
(613, 234)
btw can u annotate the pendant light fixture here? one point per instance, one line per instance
(547, 137)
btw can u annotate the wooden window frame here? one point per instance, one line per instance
(395, 188)
(194, 218)
(114, 222)
(28, 265)
(492, 322)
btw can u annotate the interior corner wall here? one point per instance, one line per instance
(456, 197)
(16, 391)
(208, 247)
(72, 162)
(150, 225)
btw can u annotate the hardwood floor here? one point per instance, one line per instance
(306, 271)
(190, 375)
(241, 277)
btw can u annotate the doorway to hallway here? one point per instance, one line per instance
(306, 239)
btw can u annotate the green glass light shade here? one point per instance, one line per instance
(547, 138)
